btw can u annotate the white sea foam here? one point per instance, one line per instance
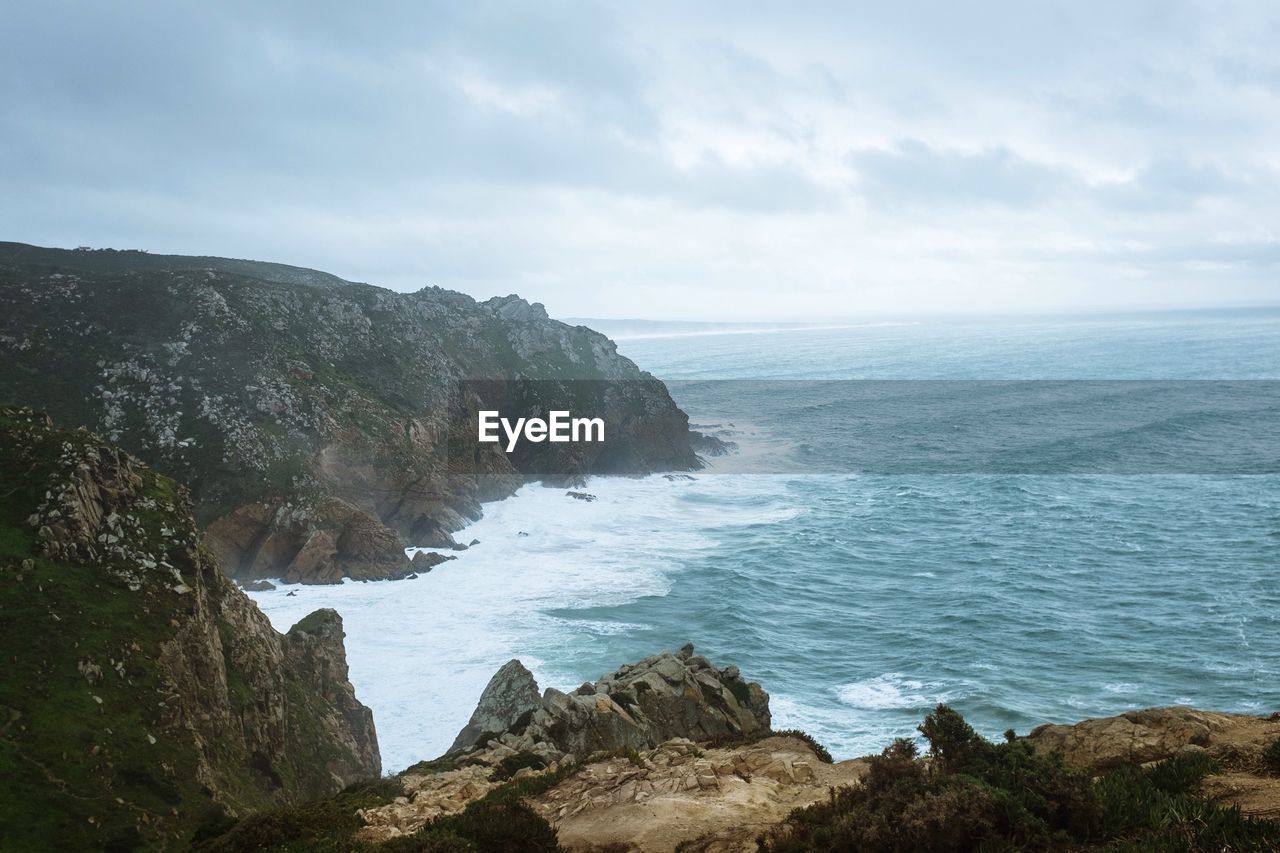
(1118, 687)
(888, 691)
(422, 650)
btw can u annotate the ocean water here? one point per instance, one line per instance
(862, 598)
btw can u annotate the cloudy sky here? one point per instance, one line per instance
(694, 160)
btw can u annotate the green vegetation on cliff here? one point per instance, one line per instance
(143, 696)
(322, 425)
(499, 822)
(85, 755)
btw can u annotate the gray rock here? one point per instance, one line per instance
(510, 694)
(640, 706)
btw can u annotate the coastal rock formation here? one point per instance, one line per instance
(665, 696)
(144, 693)
(648, 801)
(511, 693)
(706, 444)
(1245, 774)
(707, 799)
(1137, 737)
(323, 426)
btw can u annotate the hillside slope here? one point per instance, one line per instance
(322, 425)
(145, 695)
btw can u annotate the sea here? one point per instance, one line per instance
(1031, 519)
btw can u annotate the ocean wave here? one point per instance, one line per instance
(889, 691)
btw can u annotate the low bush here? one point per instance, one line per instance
(733, 741)
(1271, 756)
(428, 768)
(818, 749)
(318, 825)
(969, 794)
(628, 752)
(508, 766)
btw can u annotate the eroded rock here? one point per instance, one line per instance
(510, 694)
(1138, 737)
(670, 695)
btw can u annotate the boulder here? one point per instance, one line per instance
(1137, 737)
(511, 693)
(639, 706)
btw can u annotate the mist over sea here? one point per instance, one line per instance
(861, 599)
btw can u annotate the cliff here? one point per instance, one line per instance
(144, 695)
(322, 425)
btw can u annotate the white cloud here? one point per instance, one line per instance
(719, 160)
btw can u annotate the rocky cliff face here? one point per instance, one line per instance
(143, 692)
(670, 695)
(322, 425)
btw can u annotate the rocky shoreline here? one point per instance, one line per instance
(322, 425)
(689, 762)
(150, 705)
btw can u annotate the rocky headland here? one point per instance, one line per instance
(646, 753)
(322, 425)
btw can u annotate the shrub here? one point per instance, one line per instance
(970, 794)
(428, 768)
(736, 740)
(316, 825)
(818, 749)
(498, 826)
(1159, 808)
(628, 752)
(508, 766)
(1271, 756)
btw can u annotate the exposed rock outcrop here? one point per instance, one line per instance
(710, 445)
(1137, 737)
(670, 695)
(149, 691)
(705, 799)
(322, 425)
(509, 695)
(650, 801)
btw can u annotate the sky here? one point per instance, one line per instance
(697, 160)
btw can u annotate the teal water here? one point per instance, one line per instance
(1019, 599)
(860, 600)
